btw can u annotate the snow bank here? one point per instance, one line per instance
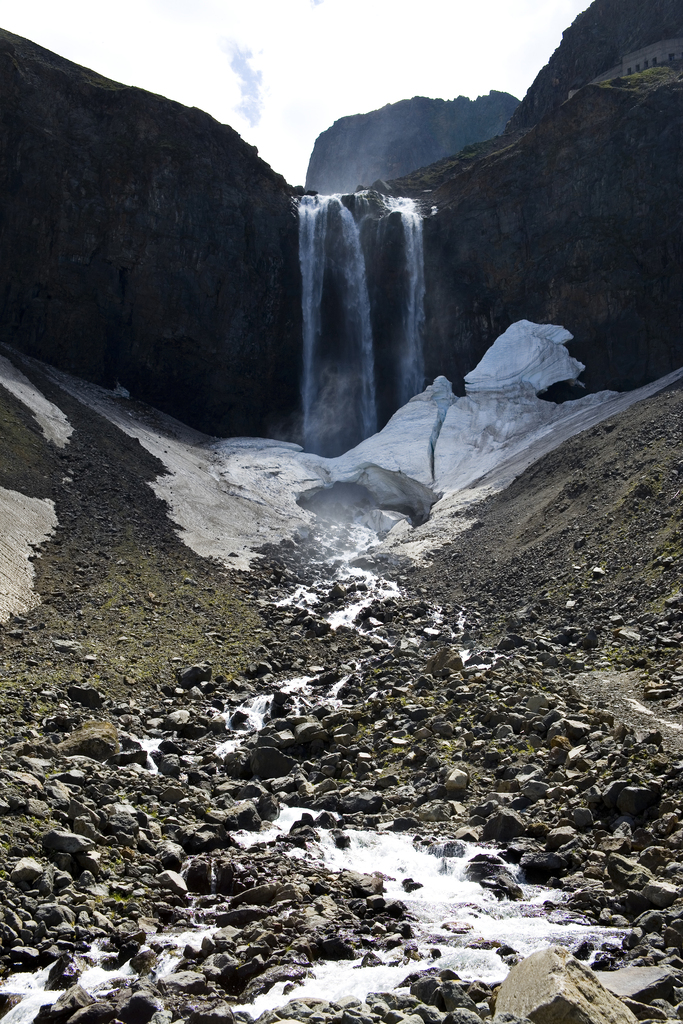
(24, 523)
(436, 456)
(51, 420)
(397, 464)
(526, 353)
(437, 444)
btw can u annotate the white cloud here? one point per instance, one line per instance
(316, 61)
(251, 105)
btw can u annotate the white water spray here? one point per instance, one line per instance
(339, 375)
(411, 380)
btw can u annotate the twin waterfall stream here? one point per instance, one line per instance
(362, 269)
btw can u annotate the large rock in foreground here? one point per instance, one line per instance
(553, 987)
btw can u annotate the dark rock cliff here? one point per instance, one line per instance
(401, 137)
(594, 43)
(142, 241)
(578, 222)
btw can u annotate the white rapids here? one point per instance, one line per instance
(446, 914)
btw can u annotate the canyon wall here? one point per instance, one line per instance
(595, 42)
(577, 222)
(143, 242)
(388, 143)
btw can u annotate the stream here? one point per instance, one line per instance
(455, 922)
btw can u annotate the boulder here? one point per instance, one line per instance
(271, 763)
(67, 1005)
(447, 659)
(216, 1013)
(456, 781)
(661, 894)
(363, 801)
(362, 885)
(259, 896)
(97, 1013)
(539, 867)
(673, 935)
(138, 1007)
(183, 983)
(504, 825)
(26, 870)
(194, 674)
(87, 696)
(172, 882)
(557, 837)
(626, 873)
(634, 800)
(642, 984)
(170, 854)
(464, 1016)
(61, 841)
(454, 997)
(98, 740)
(553, 987)
(243, 815)
(54, 914)
(434, 810)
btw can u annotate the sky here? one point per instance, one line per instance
(282, 71)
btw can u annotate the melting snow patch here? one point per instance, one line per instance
(24, 524)
(52, 421)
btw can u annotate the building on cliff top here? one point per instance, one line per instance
(664, 52)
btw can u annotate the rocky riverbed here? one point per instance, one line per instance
(339, 787)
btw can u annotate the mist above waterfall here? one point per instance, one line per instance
(362, 273)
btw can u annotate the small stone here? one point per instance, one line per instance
(456, 781)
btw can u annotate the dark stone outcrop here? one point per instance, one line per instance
(144, 242)
(401, 137)
(596, 41)
(575, 223)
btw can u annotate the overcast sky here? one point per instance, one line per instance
(281, 71)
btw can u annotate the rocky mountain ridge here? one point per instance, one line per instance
(144, 243)
(400, 137)
(594, 43)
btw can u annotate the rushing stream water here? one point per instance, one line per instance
(456, 922)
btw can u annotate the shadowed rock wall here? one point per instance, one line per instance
(388, 143)
(578, 223)
(595, 42)
(144, 242)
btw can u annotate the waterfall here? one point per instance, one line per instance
(358, 312)
(411, 380)
(312, 229)
(347, 341)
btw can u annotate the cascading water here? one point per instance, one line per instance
(339, 371)
(411, 379)
(362, 322)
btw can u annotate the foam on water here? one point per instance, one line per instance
(447, 905)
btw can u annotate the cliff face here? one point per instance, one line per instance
(595, 42)
(143, 242)
(401, 137)
(576, 223)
